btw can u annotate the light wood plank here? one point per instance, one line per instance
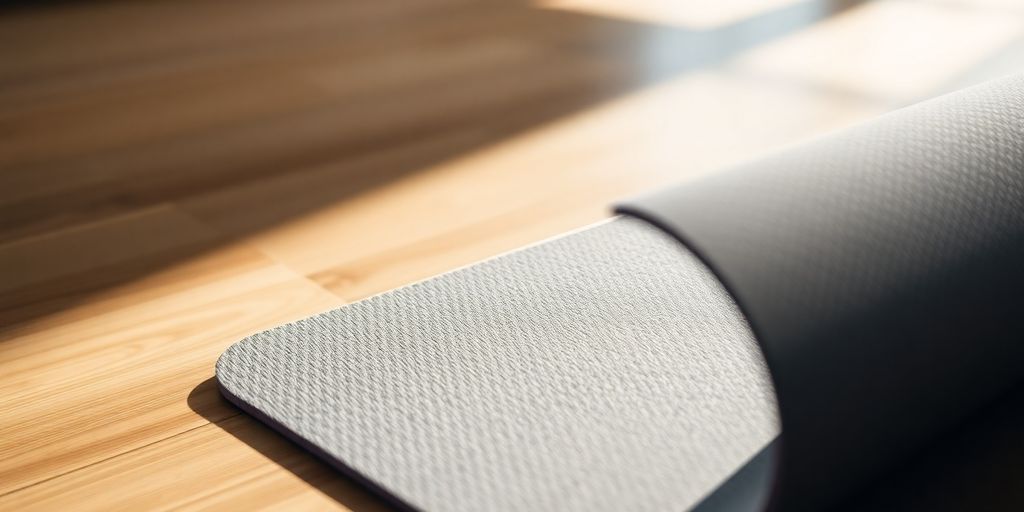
(113, 374)
(253, 468)
(581, 163)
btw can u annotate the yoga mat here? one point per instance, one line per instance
(605, 369)
(876, 274)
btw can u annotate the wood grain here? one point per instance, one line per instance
(176, 175)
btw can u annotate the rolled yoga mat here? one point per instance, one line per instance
(879, 270)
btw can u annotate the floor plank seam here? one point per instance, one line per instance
(84, 224)
(101, 461)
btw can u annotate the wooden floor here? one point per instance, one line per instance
(176, 175)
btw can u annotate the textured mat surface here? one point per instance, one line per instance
(607, 369)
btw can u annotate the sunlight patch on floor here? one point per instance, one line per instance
(693, 14)
(899, 49)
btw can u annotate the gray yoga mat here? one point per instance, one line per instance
(879, 270)
(882, 271)
(603, 370)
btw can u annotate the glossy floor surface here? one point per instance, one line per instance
(177, 175)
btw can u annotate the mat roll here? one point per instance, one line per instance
(882, 272)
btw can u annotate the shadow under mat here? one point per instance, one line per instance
(206, 400)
